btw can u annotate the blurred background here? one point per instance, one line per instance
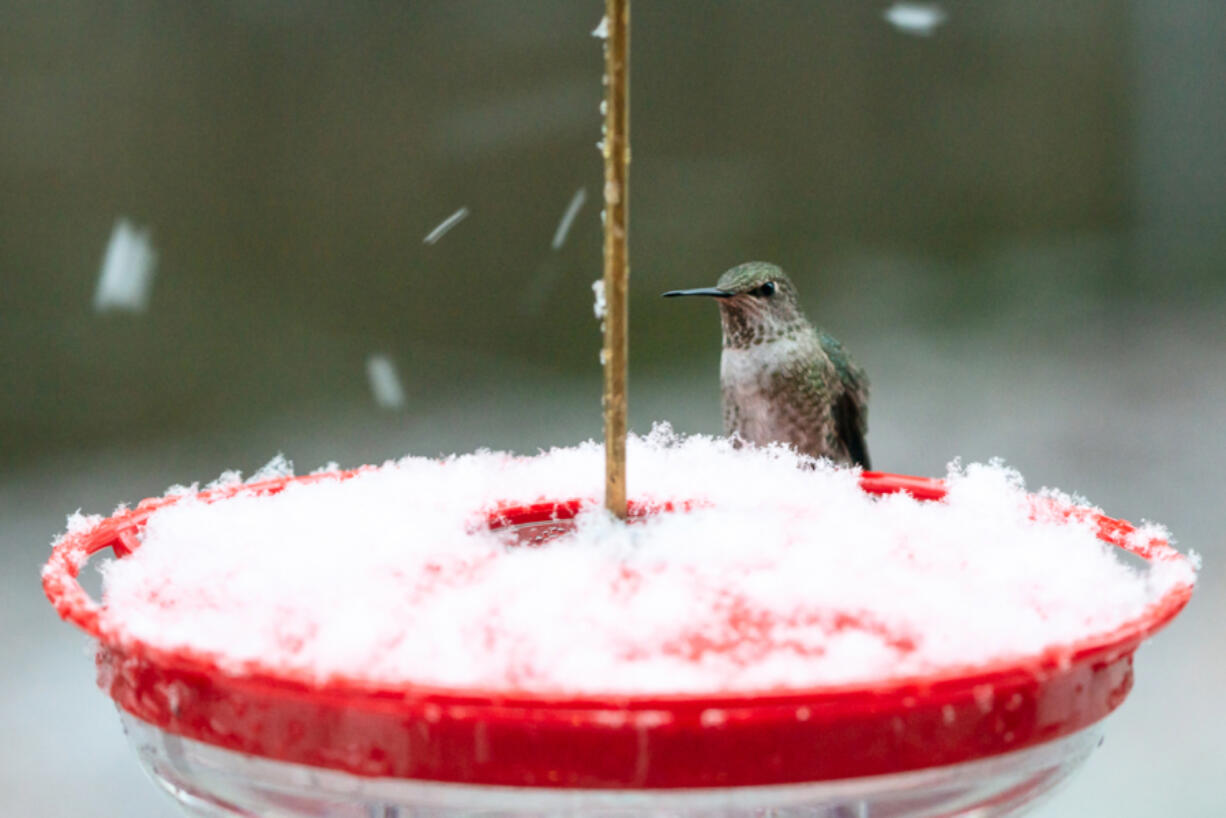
(218, 242)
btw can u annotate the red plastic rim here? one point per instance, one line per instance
(496, 738)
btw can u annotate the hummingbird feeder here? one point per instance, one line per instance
(985, 739)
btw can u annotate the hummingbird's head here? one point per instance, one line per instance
(757, 303)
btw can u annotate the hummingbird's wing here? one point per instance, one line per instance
(851, 405)
(849, 421)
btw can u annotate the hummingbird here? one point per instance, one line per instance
(783, 379)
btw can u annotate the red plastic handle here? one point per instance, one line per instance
(121, 534)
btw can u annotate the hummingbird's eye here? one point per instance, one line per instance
(766, 290)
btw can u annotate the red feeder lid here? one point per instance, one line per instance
(611, 741)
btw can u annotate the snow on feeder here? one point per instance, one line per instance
(477, 633)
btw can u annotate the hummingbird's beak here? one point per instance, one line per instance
(711, 291)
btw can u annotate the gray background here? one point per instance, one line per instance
(1017, 225)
